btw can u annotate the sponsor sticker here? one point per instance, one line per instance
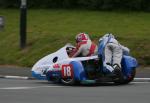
(56, 66)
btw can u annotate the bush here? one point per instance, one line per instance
(9, 3)
(84, 4)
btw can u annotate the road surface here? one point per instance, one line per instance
(36, 91)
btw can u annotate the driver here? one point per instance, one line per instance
(84, 46)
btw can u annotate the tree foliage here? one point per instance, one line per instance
(140, 5)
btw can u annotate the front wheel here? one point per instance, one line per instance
(68, 81)
(67, 75)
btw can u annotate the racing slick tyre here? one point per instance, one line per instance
(128, 79)
(68, 81)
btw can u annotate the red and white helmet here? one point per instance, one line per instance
(82, 37)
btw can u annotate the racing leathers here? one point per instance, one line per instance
(111, 52)
(85, 48)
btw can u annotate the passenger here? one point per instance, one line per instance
(111, 52)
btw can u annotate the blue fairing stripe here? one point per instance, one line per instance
(128, 64)
(38, 76)
(79, 73)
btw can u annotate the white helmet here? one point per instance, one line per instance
(106, 35)
(109, 35)
(82, 37)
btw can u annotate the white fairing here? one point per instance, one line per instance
(46, 61)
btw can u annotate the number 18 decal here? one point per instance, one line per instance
(67, 71)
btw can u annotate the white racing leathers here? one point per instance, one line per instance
(112, 52)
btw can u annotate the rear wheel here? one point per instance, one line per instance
(128, 79)
(131, 77)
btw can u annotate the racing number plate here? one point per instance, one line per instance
(67, 71)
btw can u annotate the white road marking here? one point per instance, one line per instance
(16, 77)
(18, 88)
(140, 82)
(141, 78)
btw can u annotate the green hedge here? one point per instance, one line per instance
(140, 5)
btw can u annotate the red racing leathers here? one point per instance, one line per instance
(84, 48)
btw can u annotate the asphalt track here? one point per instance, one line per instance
(35, 91)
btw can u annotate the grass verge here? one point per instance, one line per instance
(48, 30)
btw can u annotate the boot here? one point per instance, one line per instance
(117, 72)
